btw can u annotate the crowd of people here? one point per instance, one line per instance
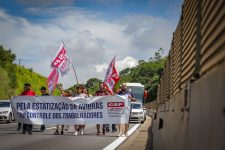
(81, 91)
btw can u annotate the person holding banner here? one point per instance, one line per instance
(64, 94)
(101, 92)
(84, 94)
(27, 92)
(124, 92)
(79, 93)
(43, 93)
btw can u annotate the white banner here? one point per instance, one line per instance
(56, 110)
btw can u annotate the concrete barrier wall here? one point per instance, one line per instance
(193, 119)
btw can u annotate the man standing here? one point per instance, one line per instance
(124, 92)
(43, 93)
(101, 92)
(27, 92)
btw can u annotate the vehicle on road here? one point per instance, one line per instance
(140, 94)
(137, 112)
(138, 91)
(6, 113)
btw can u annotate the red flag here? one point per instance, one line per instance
(62, 61)
(59, 57)
(53, 80)
(111, 77)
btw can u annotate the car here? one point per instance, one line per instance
(137, 112)
(6, 113)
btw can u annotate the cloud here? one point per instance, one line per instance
(91, 40)
(45, 2)
(127, 62)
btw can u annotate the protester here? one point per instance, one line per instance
(101, 92)
(27, 92)
(125, 92)
(85, 94)
(43, 93)
(64, 94)
(79, 90)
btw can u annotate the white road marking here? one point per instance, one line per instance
(120, 140)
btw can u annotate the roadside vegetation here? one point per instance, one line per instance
(13, 76)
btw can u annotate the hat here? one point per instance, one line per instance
(43, 88)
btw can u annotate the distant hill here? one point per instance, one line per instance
(13, 77)
(36, 80)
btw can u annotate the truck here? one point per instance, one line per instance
(138, 113)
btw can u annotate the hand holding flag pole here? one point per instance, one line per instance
(74, 71)
(111, 77)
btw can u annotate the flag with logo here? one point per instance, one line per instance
(111, 77)
(62, 61)
(53, 80)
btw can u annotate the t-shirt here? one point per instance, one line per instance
(28, 93)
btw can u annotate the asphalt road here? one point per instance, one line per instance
(10, 139)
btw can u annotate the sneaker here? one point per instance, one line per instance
(120, 134)
(29, 132)
(75, 133)
(113, 131)
(19, 128)
(126, 134)
(56, 132)
(103, 131)
(67, 128)
(98, 133)
(82, 131)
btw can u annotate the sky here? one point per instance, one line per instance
(94, 32)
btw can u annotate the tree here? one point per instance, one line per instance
(92, 81)
(159, 54)
(147, 73)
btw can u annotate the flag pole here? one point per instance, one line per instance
(71, 63)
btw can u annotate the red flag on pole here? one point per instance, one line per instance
(53, 80)
(111, 77)
(62, 61)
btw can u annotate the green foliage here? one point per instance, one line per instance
(27, 76)
(5, 89)
(92, 85)
(147, 73)
(13, 77)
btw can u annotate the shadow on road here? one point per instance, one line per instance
(149, 143)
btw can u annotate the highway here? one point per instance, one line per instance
(10, 139)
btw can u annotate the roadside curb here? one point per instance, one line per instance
(139, 139)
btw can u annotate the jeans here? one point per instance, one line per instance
(113, 127)
(42, 127)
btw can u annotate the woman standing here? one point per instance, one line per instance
(79, 93)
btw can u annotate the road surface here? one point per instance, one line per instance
(10, 139)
